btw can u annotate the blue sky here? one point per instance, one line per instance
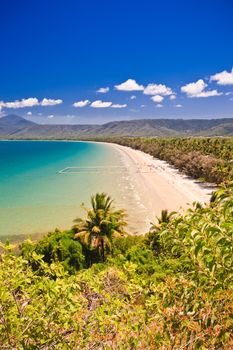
(56, 55)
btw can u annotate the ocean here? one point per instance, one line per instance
(44, 183)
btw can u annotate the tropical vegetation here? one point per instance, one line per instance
(170, 289)
(102, 224)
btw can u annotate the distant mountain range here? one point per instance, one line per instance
(16, 127)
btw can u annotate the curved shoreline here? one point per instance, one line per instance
(152, 185)
(159, 185)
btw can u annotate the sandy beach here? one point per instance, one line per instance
(48, 195)
(159, 186)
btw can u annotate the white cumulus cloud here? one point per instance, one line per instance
(30, 102)
(159, 105)
(117, 105)
(103, 90)
(210, 93)
(133, 97)
(100, 104)
(172, 97)
(129, 85)
(157, 89)
(178, 106)
(25, 102)
(197, 89)
(50, 102)
(223, 78)
(80, 104)
(50, 116)
(29, 113)
(157, 98)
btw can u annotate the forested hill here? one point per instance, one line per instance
(13, 126)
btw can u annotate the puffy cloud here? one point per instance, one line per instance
(103, 90)
(50, 102)
(159, 105)
(197, 89)
(178, 106)
(223, 78)
(80, 104)
(50, 116)
(157, 98)
(30, 102)
(133, 97)
(157, 89)
(29, 113)
(118, 105)
(101, 104)
(229, 93)
(25, 102)
(129, 85)
(172, 97)
(209, 93)
(98, 104)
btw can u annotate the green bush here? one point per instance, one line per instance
(57, 247)
(37, 312)
(122, 244)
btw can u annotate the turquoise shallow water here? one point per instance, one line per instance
(37, 194)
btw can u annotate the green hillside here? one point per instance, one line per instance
(12, 126)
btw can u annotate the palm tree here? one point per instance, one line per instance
(153, 234)
(165, 216)
(102, 223)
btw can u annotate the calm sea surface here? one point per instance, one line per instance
(43, 183)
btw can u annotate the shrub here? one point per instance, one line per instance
(57, 247)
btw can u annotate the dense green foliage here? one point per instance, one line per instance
(102, 224)
(171, 289)
(37, 310)
(56, 247)
(210, 159)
